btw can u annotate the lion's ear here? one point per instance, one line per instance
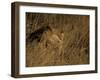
(62, 33)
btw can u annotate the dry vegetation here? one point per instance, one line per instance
(56, 39)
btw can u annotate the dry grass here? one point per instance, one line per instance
(56, 39)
